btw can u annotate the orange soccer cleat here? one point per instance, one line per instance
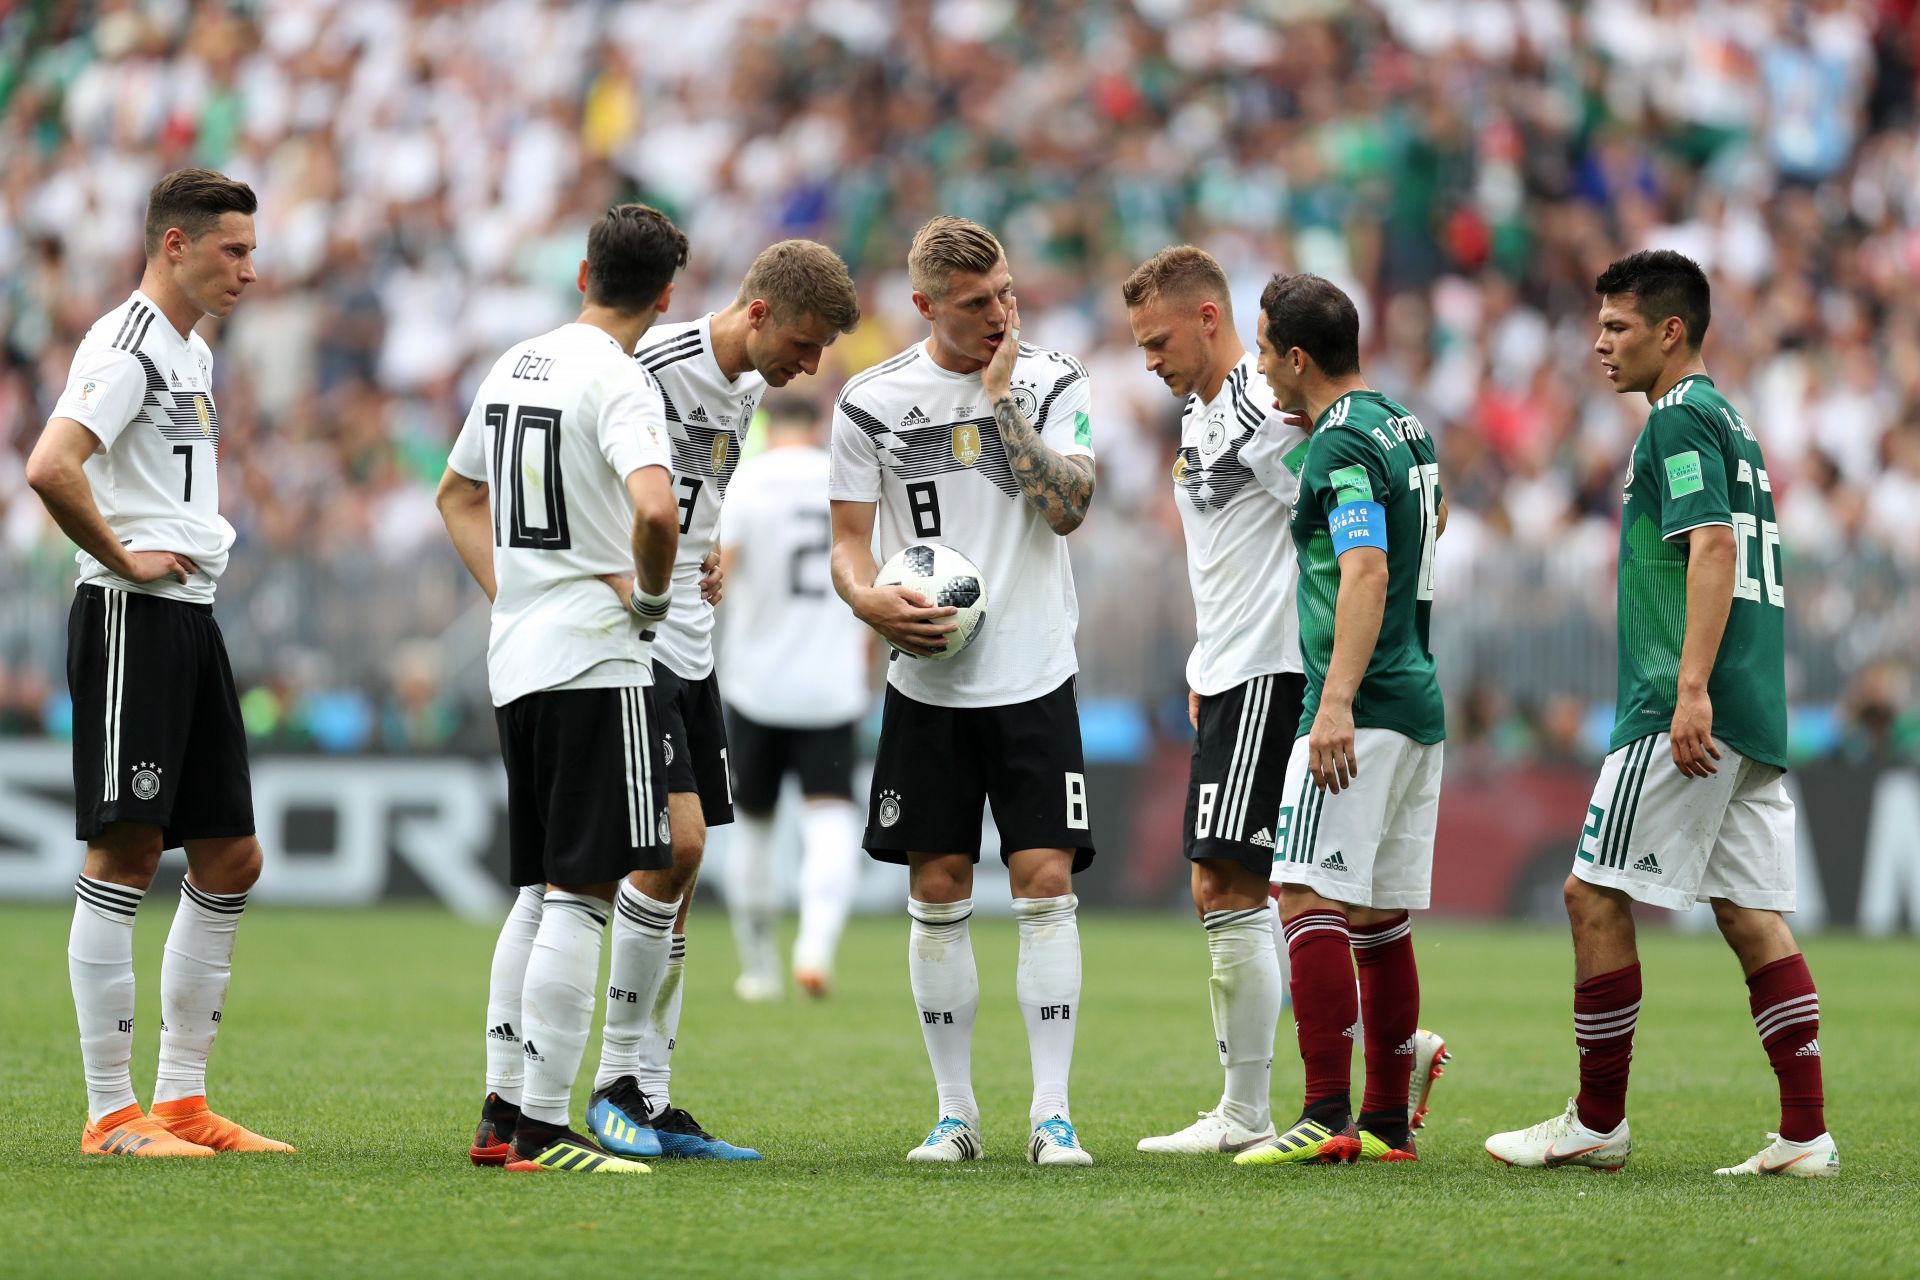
(127, 1132)
(188, 1118)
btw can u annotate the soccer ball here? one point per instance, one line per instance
(944, 577)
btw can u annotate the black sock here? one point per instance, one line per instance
(531, 1136)
(1333, 1112)
(1389, 1126)
(503, 1114)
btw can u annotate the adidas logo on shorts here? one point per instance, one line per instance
(1811, 1049)
(1649, 864)
(1263, 838)
(1334, 862)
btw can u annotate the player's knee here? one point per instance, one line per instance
(1591, 909)
(226, 866)
(935, 882)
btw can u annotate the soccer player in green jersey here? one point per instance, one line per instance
(1353, 844)
(1689, 805)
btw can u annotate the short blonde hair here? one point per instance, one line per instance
(947, 244)
(1178, 271)
(798, 278)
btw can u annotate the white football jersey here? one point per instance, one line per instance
(147, 393)
(922, 442)
(707, 417)
(556, 428)
(1235, 482)
(791, 654)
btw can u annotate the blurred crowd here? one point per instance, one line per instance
(427, 171)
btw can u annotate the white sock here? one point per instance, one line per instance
(830, 830)
(753, 895)
(1280, 953)
(663, 1029)
(506, 1061)
(193, 987)
(556, 1004)
(642, 939)
(1245, 994)
(946, 987)
(1048, 985)
(100, 964)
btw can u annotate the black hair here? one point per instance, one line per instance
(1315, 315)
(1663, 283)
(633, 252)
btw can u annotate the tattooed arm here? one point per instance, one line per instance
(1059, 488)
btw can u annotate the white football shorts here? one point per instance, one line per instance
(1372, 844)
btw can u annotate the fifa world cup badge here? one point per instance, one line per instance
(966, 443)
(206, 418)
(720, 452)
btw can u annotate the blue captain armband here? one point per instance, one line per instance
(1357, 524)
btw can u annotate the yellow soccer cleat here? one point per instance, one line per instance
(1374, 1147)
(568, 1152)
(1307, 1142)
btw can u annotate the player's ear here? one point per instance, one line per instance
(1209, 317)
(580, 279)
(757, 312)
(924, 304)
(665, 299)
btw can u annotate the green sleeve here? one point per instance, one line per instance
(1690, 469)
(1344, 466)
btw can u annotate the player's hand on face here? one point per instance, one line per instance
(1193, 710)
(712, 581)
(997, 378)
(151, 566)
(906, 619)
(1692, 732)
(1330, 755)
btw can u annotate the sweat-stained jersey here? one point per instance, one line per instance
(1235, 482)
(1697, 463)
(1367, 449)
(922, 442)
(147, 393)
(558, 425)
(707, 417)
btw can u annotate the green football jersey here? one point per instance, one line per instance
(1696, 463)
(1367, 449)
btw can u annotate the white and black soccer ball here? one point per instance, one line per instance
(944, 577)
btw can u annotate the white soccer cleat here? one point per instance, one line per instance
(1562, 1142)
(755, 988)
(1430, 1057)
(1054, 1142)
(1212, 1134)
(1782, 1159)
(951, 1141)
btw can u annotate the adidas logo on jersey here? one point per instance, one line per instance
(1262, 838)
(915, 418)
(699, 414)
(1811, 1049)
(1649, 864)
(1334, 862)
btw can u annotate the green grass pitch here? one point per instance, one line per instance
(357, 1036)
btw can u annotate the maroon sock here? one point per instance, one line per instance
(1324, 1004)
(1605, 1009)
(1786, 1013)
(1389, 1010)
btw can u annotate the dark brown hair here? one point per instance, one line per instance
(633, 252)
(193, 200)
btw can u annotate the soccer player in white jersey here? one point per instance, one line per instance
(1235, 480)
(973, 439)
(795, 663)
(125, 466)
(558, 497)
(795, 300)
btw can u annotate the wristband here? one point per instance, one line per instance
(651, 609)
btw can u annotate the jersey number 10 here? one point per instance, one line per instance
(529, 496)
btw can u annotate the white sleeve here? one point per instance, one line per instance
(1265, 454)
(853, 473)
(1065, 412)
(633, 422)
(105, 390)
(469, 455)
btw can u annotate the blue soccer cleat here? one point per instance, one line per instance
(617, 1118)
(681, 1137)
